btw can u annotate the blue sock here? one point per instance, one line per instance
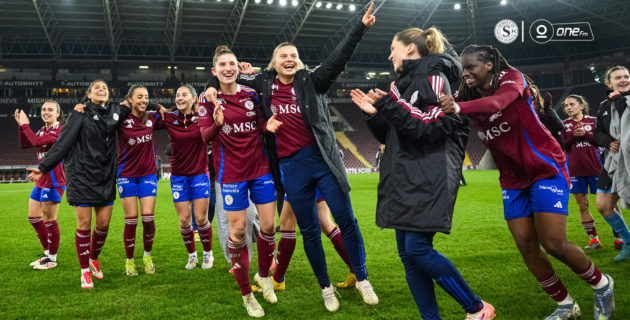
(619, 225)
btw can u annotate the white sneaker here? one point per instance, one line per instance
(330, 301)
(38, 261)
(45, 264)
(208, 260)
(86, 280)
(367, 292)
(96, 269)
(192, 262)
(253, 307)
(266, 287)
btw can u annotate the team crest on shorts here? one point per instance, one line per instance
(229, 200)
(175, 195)
(202, 111)
(249, 105)
(120, 189)
(115, 116)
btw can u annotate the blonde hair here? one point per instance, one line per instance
(301, 64)
(427, 42)
(219, 51)
(610, 71)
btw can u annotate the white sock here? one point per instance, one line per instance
(84, 270)
(52, 257)
(132, 259)
(146, 253)
(46, 252)
(602, 283)
(194, 254)
(207, 253)
(567, 300)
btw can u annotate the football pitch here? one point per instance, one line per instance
(480, 245)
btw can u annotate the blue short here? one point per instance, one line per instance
(188, 188)
(545, 195)
(97, 205)
(137, 186)
(235, 197)
(584, 184)
(47, 194)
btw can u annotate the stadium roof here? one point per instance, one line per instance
(188, 30)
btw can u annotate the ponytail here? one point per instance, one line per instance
(430, 41)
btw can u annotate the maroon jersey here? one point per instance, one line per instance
(293, 135)
(523, 149)
(189, 155)
(237, 148)
(582, 153)
(136, 147)
(43, 140)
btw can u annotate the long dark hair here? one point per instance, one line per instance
(484, 54)
(89, 89)
(145, 115)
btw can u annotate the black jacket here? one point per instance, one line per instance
(310, 89)
(602, 128)
(551, 121)
(421, 168)
(87, 145)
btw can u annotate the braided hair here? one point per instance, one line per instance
(485, 53)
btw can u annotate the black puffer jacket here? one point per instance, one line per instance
(421, 167)
(87, 145)
(602, 128)
(310, 89)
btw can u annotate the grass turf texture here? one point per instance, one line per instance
(480, 246)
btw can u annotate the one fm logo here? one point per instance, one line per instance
(542, 31)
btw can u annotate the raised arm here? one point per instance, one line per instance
(29, 139)
(324, 74)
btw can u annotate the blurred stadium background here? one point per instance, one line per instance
(53, 49)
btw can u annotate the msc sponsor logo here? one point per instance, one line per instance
(287, 108)
(494, 132)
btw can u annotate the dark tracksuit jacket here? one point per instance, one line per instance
(602, 132)
(87, 146)
(424, 149)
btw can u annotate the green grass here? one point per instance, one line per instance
(480, 246)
